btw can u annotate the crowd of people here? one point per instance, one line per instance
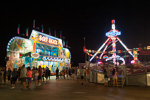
(114, 77)
(25, 75)
(81, 74)
(35, 75)
(39, 75)
(68, 73)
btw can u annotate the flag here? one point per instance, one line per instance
(34, 23)
(42, 28)
(49, 31)
(63, 43)
(27, 32)
(55, 32)
(66, 44)
(20, 55)
(18, 29)
(60, 33)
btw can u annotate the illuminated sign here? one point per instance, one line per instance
(113, 33)
(146, 52)
(105, 57)
(47, 40)
(148, 47)
(35, 55)
(47, 58)
(44, 38)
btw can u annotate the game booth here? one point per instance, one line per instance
(39, 50)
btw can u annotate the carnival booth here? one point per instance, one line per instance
(39, 50)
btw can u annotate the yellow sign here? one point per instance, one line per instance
(47, 40)
(61, 64)
(148, 47)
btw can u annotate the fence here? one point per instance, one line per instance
(134, 77)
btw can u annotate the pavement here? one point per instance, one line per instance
(71, 90)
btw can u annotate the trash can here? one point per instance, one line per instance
(100, 78)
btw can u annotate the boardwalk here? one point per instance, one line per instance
(71, 90)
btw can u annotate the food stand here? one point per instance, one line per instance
(39, 50)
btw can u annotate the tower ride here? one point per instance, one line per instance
(113, 39)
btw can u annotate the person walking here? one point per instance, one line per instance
(40, 76)
(46, 73)
(49, 73)
(57, 73)
(73, 73)
(70, 73)
(23, 76)
(88, 75)
(13, 78)
(67, 73)
(9, 74)
(105, 77)
(36, 74)
(43, 73)
(82, 73)
(18, 73)
(29, 74)
(33, 73)
(63, 73)
(78, 74)
(4, 76)
(115, 77)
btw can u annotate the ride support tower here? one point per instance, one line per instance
(112, 39)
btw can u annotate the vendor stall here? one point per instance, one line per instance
(39, 50)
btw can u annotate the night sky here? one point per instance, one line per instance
(78, 19)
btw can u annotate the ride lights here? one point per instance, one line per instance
(100, 62)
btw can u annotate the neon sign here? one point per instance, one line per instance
(113, 33)
(47, 58)
(47, 40)
(105, 57)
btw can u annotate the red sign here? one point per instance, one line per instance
(144, 52)
(105, 57)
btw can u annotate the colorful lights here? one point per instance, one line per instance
(113, 21)
(39, 49)
(105, 57)
(83, 48)
(100, 62)
(112, 36)
(125, 47)
(133, 62)
(113, 33)
(99, 49)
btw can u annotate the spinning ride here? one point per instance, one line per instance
(113, 39)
